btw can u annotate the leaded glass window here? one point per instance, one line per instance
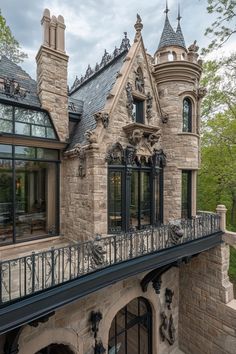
(187, 115)
(27, 122)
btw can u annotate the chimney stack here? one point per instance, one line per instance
(52, 73)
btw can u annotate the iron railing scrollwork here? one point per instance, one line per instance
(36, 272)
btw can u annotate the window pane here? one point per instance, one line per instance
(187, 115)
(134, 207)
(22, 129)
(38, 131)
(115, 201)
(50, 133)
(6, 210)
(186, 194)
(24, 115)
(145, 198)
(138, 111)
(5, 150)
(47, 154)
(6, 126)
(25, 152)
(6, 112)
(35, 199)
(133, 340)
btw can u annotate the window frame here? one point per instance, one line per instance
(139, 104)
(188, 208)
(189, 121)
(13, 158)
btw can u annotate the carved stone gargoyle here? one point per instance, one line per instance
(175, 233)
(96, 252)
(91, 136)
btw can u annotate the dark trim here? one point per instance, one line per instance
(28, 310)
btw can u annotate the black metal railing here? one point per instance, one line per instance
(27, 275)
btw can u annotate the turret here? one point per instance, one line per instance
(177, 73)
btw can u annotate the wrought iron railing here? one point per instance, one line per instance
(36, 272)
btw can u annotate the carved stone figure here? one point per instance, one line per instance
(167, 328)
(115, 155)
(159, 158)
(175, 232)
(82, 164)
(130, 154)
(91, 136)
(138, 27)
(153, 139)
(202, 91)
(103, 117)
(193, 47)
(136, 137)
(149, 106)
(168, 296)
(96, 252)
(125, 44)
(130, 99)
(139, 80)
(164, 117)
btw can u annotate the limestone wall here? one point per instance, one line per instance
(71, 325)
(207, 309)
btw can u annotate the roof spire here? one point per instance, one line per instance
(138, 27)
(179, 16)
(167, 9)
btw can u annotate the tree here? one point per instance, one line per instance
(225, 24)
(217, 178)
(9, 46)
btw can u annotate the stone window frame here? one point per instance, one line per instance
(189, 207)
(193, 99)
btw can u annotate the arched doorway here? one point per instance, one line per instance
(131, 329)
(55, 349)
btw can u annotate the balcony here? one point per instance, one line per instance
(36, 284)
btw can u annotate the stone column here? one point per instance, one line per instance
(221, 211)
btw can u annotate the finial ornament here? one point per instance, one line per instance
(167, 9)
(138, 27)
(179, 16)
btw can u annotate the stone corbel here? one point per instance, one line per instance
(201, 92)
(73, 152)
(91, 136)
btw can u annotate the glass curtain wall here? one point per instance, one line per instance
(28, 193)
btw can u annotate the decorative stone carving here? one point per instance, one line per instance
(149, 106)
(167, 328)
(193, 47)
(156, 283)
(164, 117)
(153, 139)
(115, 155)
(202, 91)
(138, 27)
(175, 233)
(96, 252)
(102, 117)
(99, 348)
(95, 319)
(168, 296)
(159, 158)
(135, 137)
(139, 81)
(11, 88)
(73, 152)
(125, 44)
(130, 153)
(130, 100)
(91, 136)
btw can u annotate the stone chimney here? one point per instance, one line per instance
(52, 73)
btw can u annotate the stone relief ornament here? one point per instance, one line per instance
(96, 252)
(91, 136)
(130, 100)
(102, 117)
(149, 106)
(164, 117)
(168, 297)
(153, 139)
(202, 91)
(135, 137)
(11, 88)
(159, 158)
(175, 232)
(139, 81)
(82, 163)
(115, 155)
(193, 47)
(167, 328)
(130, 153)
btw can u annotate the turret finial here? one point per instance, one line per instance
(179, 16)
(167, 9)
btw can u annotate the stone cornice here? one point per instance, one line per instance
(47, 50)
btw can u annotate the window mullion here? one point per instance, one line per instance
(14, 196)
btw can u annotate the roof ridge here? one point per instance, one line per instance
(107, 59)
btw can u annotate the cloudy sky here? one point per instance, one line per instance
(95, 25)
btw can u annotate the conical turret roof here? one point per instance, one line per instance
(171, 38)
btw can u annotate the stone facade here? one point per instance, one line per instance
(207, 309)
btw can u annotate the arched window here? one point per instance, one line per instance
(135, 188)
(131, 329)
(187, 115)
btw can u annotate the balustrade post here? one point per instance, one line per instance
(33, 271)
(221, 211)
(53, 265)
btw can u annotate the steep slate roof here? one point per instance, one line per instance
(10, 70)
(93, 92)
(169, 37)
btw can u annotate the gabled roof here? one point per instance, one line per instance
(93, 92)
(28, 88)
(171, 38)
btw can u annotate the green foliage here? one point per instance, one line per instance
(232, 264)
(8, 44)
(225, 24)
(217, 177)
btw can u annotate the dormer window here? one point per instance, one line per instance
(187, 115)
(138, 111)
